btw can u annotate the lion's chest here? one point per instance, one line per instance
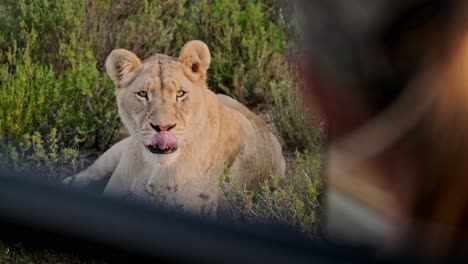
(187, 186)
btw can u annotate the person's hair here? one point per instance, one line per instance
(437, 144)
(418, 45)
(365, 43)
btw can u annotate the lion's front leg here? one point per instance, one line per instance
(194, 201)
(202, 204)
(102, 167)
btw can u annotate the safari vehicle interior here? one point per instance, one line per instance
(43, 216)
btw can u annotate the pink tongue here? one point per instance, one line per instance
(164, 139)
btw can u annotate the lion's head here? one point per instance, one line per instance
(161, 99)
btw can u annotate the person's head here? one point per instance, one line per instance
(390, 78)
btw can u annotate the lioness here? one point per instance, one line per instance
(182, 135)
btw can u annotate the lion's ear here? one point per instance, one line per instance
(121, 66)
(196, 55)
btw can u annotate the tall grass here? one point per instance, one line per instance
(44, 156)
(293, 201)
(299, 129)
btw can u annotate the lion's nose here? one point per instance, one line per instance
(160, 128)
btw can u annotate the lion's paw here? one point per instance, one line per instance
(76, 181)
(69, 180)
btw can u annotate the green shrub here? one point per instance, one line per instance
(44, 156)
(294, 200)
(79, 103)
(52, 32)
(246, 44)
(144, 27)
(298, 128)
(49, 77)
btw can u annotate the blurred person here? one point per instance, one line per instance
(390, 78)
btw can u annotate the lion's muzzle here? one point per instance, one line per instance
(163, 142)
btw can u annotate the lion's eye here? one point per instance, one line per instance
(180, 93)
(142, 94)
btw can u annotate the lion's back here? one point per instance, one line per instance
(268, 152)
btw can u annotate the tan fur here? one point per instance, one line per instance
(212, 131)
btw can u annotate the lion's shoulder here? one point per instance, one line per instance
(237, 106)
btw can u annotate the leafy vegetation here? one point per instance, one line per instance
(299, 129)
(294, 200)
(44, 156)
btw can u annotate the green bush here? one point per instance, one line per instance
(79, 103)
(46, 157)
(299, 129)
(246, 43)
(50, 32)
(49, 78)
(144, 27)
(294, 200)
